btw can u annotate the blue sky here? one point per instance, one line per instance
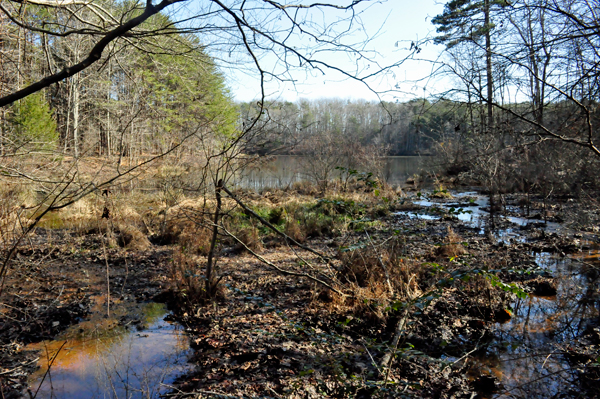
(396, 23)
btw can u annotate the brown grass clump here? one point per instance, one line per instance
(292, 229)
(442, 194)
(305, 188)
(367, 268)
(452, 246)
(11, 207)
(249, 236)
(186, 277)
(370, 302)
(130, 237)
(192, 238)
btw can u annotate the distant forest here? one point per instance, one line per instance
(522, 107)
(407, 128)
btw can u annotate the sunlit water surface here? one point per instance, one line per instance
(527, 352)
(100, 358)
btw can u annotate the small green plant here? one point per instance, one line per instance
(458, 211)
(366, 177)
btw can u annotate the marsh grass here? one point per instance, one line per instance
(15, 201)
(165, 216)
(452, 246)
(367, 266)
(186, 277)
(126, 226)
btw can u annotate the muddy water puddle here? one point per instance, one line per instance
(527, 354)
(133, 353)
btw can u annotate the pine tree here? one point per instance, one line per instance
(466, 21)
(33, 123)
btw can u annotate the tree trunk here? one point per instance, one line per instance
(76, 104)
(488, 66)
(213, 242)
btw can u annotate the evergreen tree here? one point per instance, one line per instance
(33, 122)
(465, 21)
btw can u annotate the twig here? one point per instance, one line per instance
(584, 262)
(197, 394)
(50, 363)
(107, 276)
(211, 261)
(269, 225)
(477, 347)
(386, 361)
(20, 365)
(265, 261)
(545, 360)
(387, 275)
(371, 356)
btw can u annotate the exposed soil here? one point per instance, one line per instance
(274, 335)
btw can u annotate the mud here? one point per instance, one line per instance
(270, 335)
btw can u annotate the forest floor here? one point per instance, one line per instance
(270, 334)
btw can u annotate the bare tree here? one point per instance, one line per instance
(258, 27)
(91, 58)
(547, 59)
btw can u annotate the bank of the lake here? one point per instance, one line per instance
(506, 314)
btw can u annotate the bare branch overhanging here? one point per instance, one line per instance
(255, 28)
(557, 64)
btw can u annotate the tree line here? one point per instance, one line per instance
(526, 73)
(142, 100)
(395, 128)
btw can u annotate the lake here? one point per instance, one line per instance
(283, 170)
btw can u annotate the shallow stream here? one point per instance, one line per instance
(527, 353)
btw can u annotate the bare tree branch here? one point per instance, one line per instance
(94, 55)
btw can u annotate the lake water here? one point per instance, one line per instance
(284, 170)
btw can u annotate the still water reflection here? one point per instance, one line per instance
(527, 353)
(284, 170)
(103, 359)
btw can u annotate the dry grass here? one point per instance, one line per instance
(366, 270)
(250, 237)
(305, 188)
(14, 199)
(293, 230)
(192, 238)
(452, 246)
(187, 279)
(186, 276)
(130, 237)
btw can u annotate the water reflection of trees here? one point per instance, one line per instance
(103, 355)
(528, 354)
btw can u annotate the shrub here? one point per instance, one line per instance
(452, 246)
